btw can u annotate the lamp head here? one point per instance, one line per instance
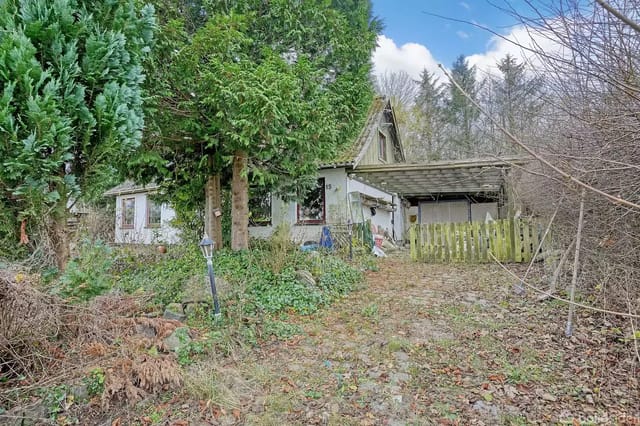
(206, 245)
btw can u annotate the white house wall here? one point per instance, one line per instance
(337, 187)
(140, 233)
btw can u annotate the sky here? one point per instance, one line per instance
(414, 38)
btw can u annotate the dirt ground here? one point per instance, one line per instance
(422, 344)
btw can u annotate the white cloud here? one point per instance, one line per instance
(462, 35)
(519, 43)
(414, 57)
(411, 58)
(465, 5)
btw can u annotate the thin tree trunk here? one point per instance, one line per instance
(60, 239)
(213, 210)
(240, 202)
(576, 264)
(556, 274)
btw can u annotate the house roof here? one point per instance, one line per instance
(130, 187)
(472, 176)
(380, 109)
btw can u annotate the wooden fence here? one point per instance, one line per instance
(509, 240)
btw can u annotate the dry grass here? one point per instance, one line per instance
(43, 341)
(220, 385)
(29, 320)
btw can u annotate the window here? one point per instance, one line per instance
(128, 212)
(154, 213)
(312, 209)
(259, 207)
(382, 146)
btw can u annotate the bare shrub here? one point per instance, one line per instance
(593, 135)
(29, 319)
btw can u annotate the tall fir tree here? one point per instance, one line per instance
(430, 122)
(518, 101)
(262, 92)
(71, 103)
(462, 115)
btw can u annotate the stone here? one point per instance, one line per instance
(29, 415)
(368, 386)
(397, 399)
(80, 392)
(519, 290)
(174, 311)
(176, 340)
(399, 378)
(374, 374)
(145, 330)
(510, 391)
(401, 356)
(196, 290)
(258, 405)
(485, 408)
(379, 407)
(548, 397)
(305, 277)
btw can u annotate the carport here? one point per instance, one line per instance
(445, 191)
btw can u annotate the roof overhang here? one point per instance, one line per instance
(474, 176)
(129, 187)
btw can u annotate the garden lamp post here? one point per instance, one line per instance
(206, 245)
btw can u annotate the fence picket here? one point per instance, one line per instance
(509, 240)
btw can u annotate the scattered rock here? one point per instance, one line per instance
(191, 308)
(399, 378)
(510, 391)
(374, 374)
(196, 290)
(145, 330)
(174, 311)
(80, 392)
(368, 387)
(397, 399)
(401, 356)
(519, 290)
(485, 408)
(258, 405)
(379, 407)
(29, 415)
(305, 277)
(548, 397)
(177, 339)
(545, 395)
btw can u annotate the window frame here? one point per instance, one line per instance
(123, 223)
(148, 223)
(382, 147)
(300, 221)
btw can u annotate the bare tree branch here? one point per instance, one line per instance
(619, 15)
(534, 154)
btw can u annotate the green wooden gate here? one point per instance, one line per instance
(509, 240)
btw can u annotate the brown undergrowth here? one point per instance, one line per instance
(43, 340)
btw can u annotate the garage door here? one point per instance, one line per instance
(444, 211)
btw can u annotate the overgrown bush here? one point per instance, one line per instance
(87, 275)
(262, 280)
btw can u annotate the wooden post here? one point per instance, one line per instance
(576, 264)
(526, 242)
(413, 242)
